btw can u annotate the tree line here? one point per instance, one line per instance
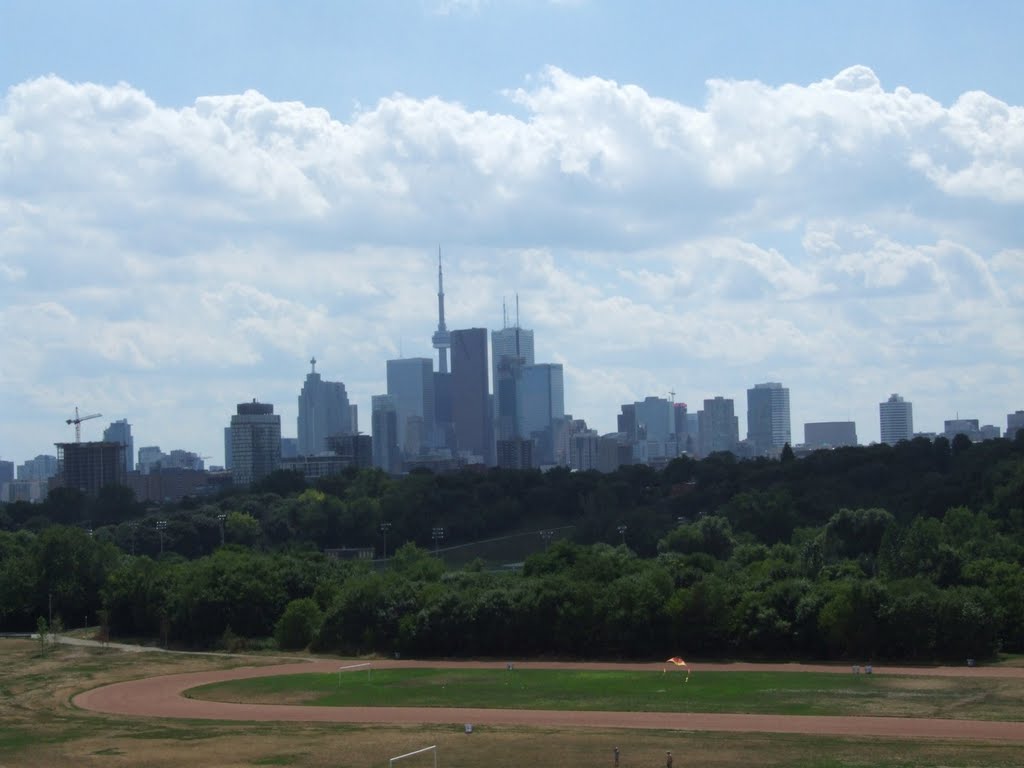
(908, 552)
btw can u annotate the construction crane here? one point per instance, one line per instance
(77, 421)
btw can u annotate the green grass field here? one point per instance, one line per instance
(784, 693)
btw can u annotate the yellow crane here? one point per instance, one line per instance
(77, 421)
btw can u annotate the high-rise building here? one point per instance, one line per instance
(227, 448)
(42, 467)
(411, 385)
(896, 419)
(323, 412)
(384, 423)
(511, 350)
(768, 428)
(830, 434)
(542, 404)
(90, 466)
(255, 442)
(1014, 422)
(654, 419)
(120, 431)
(150, 458)
(515, 453)
(718, 426)
(471, 408)
(6, 472)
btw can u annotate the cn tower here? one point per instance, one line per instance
(442, 339)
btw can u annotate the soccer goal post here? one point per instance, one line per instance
(393, 760)
(352, 668)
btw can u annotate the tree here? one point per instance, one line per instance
(298, 625)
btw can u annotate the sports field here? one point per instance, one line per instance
(777, 693)
(44, 722)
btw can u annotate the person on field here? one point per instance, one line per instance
(668, 760)
(615, 753)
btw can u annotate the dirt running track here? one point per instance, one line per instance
(163, 697)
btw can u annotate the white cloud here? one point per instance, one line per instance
(831, 235)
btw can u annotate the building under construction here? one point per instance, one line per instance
(90, 466)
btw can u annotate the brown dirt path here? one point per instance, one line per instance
(163, 697)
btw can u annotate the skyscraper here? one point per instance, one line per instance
(542, 404)
(768, 427)
(1014, 422)
(511, 349)
(411, 384)
(120, 432)
(830, 434)
(718, 426)
(471, 410)
(323, 412)
(896, 419)
(255, 442)
(384, 423)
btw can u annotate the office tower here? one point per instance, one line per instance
(654, 419)
(515, 453)
(150, 458)
(255, 442)
(90, 466)
(511, 349)
(353, 419)
(444, 428)
(411, 384)
(6, 472)
(441, 338)
(627, 421)
(1014, 422)
(719, 427)
(542, 403)
(290, 448)
(355, 450)
(584, 450)
(120, 431)
(967, 427)
(42, 467)
(227, 448)
(471, 409)
(830, 434)
(384, 423)
(679, 415)
(323, 412)
(768, 427)
(896, 418)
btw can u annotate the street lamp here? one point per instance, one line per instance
(547, 536)
(221, 518)
(622, 533)
(161, 526)
(437, 534)
(384, 528)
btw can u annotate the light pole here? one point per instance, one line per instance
(437, 534)
(384, 528)
(161, 526)
(547, 536)
(622, 533)
(220, 519)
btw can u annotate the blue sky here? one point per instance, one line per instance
(196, 197)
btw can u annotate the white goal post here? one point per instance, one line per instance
(352, 667)
(393, 760)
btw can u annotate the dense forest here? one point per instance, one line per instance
(910, 552)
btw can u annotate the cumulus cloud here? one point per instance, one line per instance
(814, 233)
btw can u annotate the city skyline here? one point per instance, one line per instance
(181, 233)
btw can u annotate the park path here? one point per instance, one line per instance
(164, 696)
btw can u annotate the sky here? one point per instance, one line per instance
(196, 198)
